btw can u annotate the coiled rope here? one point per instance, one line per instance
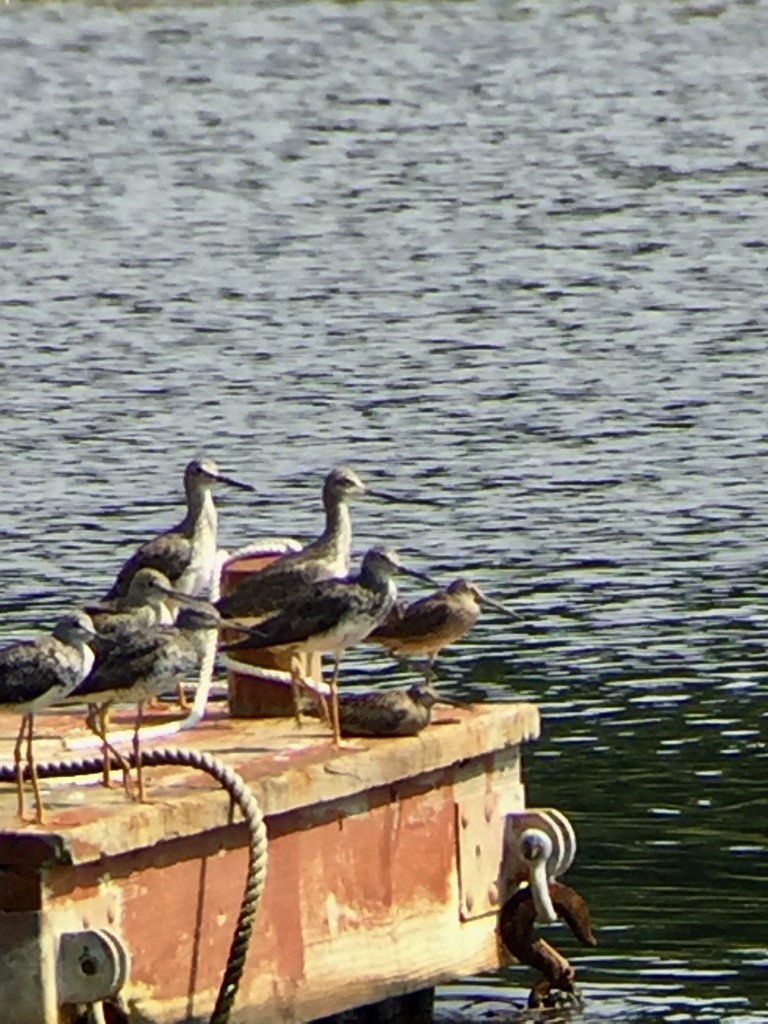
(241, 795)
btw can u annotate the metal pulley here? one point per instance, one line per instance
(91, 965)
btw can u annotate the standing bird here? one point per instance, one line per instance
(145, 603)
(332, 615)
(390, 712)
(267, 590)
(134, 664)
(426, 626)
(37, 673)
(186, 553)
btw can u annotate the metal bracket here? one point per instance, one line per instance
(91, 965)
(492, 863)
(552, 823)
(480, 828)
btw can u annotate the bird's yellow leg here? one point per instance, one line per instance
(19, 770)
(137, 752)
(33, 770)
(335, 723)
(182, 695)
(296, 683)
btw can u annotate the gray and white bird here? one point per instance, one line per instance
(186, 553)
(332, 615)
(146, 603)
(134, 664)
(37, 673)
(326, 557)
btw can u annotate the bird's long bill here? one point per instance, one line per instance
(201, 603)
(232, 483)
(453, 702)
(419, 576)
(401, 499)
(499, 607)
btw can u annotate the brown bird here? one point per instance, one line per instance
(425, 627)
(389, 712)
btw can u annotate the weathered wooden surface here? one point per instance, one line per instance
(364, 895)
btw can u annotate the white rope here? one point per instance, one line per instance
(152, 732)
(263, 546)
(274, 675)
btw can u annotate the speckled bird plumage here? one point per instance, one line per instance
(425, 626)
(186, 553)
(331, 615)
(272, 587)
(387, 713)
(137, 663)
(144, 604)
(36, 673)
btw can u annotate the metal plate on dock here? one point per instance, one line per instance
(480, 833)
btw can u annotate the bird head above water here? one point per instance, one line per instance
(149, 586)
(384, 562)
(466, 590)
(75, 628)
(341, 484)
(202, 474)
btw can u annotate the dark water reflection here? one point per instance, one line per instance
(514, 256)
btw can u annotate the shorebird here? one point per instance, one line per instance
(145, 603)
(425, 627)
(186, 553)
(134, 664)
(267, 590)
(37, 673)
(332, 615)
(389, 712)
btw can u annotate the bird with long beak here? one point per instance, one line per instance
(147, 602)
(135, 663)
(186, 553)
(37, 673)
(424, 627)
(328, 556)
(332, 615)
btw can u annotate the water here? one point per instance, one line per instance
(513, 256)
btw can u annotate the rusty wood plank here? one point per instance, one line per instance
(288, 769)
(362, 903)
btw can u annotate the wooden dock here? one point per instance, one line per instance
(384, 870)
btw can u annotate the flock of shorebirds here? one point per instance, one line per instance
(162, 617)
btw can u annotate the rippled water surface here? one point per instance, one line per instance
(510, 255)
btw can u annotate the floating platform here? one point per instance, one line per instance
(385, 868)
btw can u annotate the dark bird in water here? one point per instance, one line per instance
(186, 553)
(268, 590)
(332, 615)
(35, 674)
(146, 603)
(516, 930)
(134, 664)
(389, 712)
(424, 627)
